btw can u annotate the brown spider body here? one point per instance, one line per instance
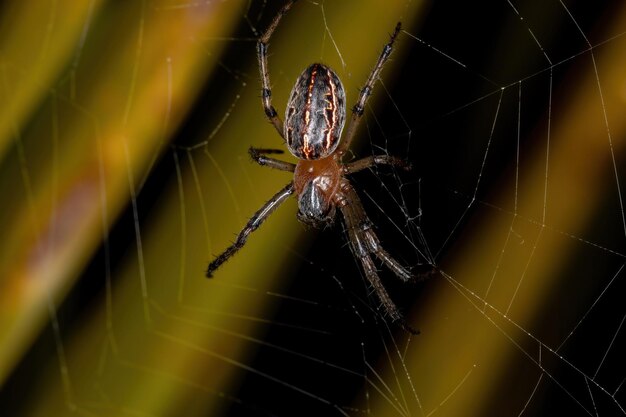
(314, 121)
(315, 114)
(316, 182)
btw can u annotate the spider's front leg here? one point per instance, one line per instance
(253, 224)
(364, 243)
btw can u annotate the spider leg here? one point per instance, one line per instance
(366, 91)
(262, 45)
(258, 155)
(366, 237)
(364, 242)
(372, 276)
(400, 271)
(370, 161)
(375, 248)
(253, 224)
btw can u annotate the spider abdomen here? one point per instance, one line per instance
(316, 113)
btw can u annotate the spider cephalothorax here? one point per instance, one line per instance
(316, 184)
(314, 121)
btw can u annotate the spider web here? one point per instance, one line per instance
(124, 170)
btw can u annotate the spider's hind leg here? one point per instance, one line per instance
(366, 92)
(262, 45)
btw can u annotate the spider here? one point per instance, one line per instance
(314, 120)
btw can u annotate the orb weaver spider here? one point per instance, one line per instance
(314, 120)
